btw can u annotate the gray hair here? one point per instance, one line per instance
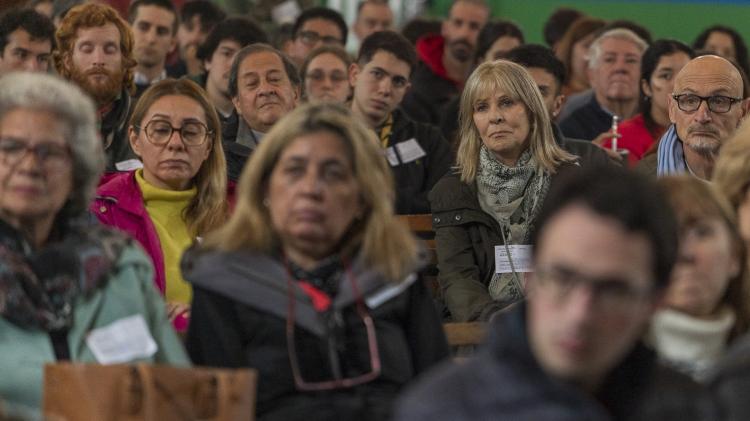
(595, 50)
(44, 92)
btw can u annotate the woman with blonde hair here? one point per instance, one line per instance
(706, 305)
(181, 191)
(506, 158)
(313, 280)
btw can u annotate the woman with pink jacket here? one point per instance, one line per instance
(180, 194)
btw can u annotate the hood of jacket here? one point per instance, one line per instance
(430, 50)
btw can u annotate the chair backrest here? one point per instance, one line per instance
(421, 226)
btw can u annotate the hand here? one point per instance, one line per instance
(175, 310)
(604, 137)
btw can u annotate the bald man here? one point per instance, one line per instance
(706, 107)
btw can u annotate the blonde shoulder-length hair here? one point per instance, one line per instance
(208, 209)
(732, 173)
(514, 81)
(383, 241)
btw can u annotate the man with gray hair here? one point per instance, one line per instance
(706, 107)
(264, 85)
(614, 72)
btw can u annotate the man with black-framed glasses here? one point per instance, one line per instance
(604, 247)
(706, 107)
(315, 27)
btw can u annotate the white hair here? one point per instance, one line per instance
(595, 50)
(49, 93)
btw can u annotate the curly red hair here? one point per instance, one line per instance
(93, 15)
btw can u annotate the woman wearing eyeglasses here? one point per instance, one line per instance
(65, 283)
(313, 280)
(325, 75)
(180, 193)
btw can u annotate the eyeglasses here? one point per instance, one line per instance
(319, 76)
(338, 380)
(192, 133)
(312, 37)
(608, 294)
(716, 103)
(50, 155)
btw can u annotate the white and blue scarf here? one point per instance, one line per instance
(671, 158)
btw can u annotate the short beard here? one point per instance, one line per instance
(101, 92)
(460, 50)
(707, 148)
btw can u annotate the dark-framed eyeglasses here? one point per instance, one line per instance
(716, 103)
(49, 155)
(615, 295)
(312, 37)
(338, 381)
(192, 133)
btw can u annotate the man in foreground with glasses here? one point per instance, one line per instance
(605, 245)
(706, 107)
(315, 27)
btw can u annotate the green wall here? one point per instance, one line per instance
(665, 19)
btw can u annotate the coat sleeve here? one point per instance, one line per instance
(465, 295)
(170, 348)
(214, 336)
(424, 329)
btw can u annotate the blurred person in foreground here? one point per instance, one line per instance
(64, 280)
(313, 281)
(604, 247)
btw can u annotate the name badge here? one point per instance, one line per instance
(410, 151)
(520, 255)
(122, 341)
(129, 165)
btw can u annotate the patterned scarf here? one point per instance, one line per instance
(513, 196)
(670, 156)
(38, 288)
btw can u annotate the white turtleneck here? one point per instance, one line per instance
(689, 344)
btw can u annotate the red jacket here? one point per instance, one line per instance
(636, 138)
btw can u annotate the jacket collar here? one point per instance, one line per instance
(261, 282)
(621, 390)
(123, 189)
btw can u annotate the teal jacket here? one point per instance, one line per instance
(129, 292)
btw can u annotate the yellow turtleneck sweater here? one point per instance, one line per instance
(165, 208)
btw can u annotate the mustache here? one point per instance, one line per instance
(97, 71)
(463, 42)
(703, 129)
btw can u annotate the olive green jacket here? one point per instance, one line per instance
(465, 238)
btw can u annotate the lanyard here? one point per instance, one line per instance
(386, 130)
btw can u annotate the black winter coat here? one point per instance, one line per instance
(238, 319)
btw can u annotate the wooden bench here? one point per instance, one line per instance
(465, 334)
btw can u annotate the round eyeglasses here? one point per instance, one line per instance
(192, 133)
(716, 103)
